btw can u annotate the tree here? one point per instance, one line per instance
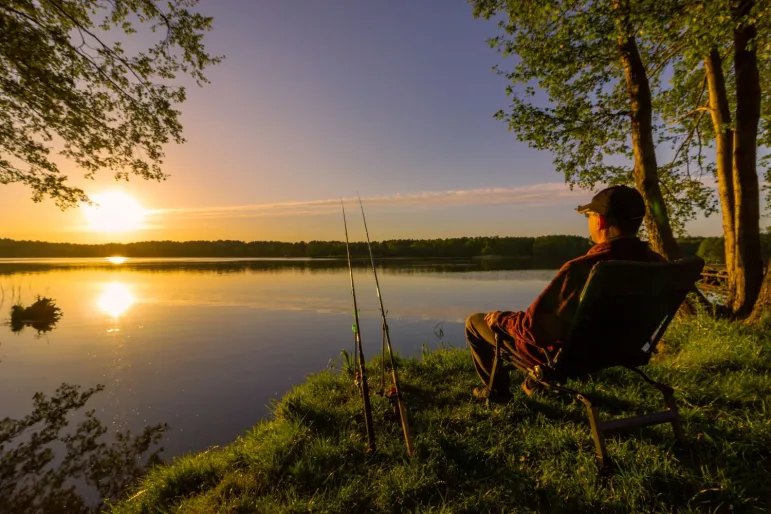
(67, 85)
(761, 311)
(747, 194)
(598, 79)
(721, 120)
(717, 54)
(717, 51)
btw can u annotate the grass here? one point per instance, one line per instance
(42, 315)
(533, 455)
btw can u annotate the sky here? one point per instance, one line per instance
(320, 100)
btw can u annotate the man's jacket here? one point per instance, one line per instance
(547, 321)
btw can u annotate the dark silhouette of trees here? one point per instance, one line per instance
(40, 460)
(557, 247)
(540, 251)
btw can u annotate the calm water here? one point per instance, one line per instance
(204, 345)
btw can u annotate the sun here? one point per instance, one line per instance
(114, 212)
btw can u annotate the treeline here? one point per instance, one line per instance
(541, 248)
(712, 249)
(544, 249)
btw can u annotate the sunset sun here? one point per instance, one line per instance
(114, 212)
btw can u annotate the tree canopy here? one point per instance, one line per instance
(69, 86)
(604, 85)
(569, 95)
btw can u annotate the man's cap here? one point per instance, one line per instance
(617, 203)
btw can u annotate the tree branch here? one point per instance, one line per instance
(693, 130)
(105, 47)
(665, 59)
(77, 49)
(698, 101)
(691, 113)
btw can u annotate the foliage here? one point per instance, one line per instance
(42, 315)
(533, 250)
(538, 251)
(687, 36)
(348, 363)
(569, 95)
(533, 455)
(690, 245)
(68, 83)
(712, 250)
(567, 247)
(33, 478)
(552, 250)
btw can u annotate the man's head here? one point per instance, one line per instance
(614, 212)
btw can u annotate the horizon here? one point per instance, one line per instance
(296, 117)
(351, 241)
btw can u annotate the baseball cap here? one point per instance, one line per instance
(616, 202)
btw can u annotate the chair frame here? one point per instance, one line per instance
(551, 377)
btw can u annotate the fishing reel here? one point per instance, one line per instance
(392, 396)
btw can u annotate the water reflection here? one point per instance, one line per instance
(230, 266)
(48, 468)
(204, 345)
(116, 298)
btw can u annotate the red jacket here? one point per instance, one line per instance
(547, 321)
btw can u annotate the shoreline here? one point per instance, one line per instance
(533, 454)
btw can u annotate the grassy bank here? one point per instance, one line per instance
(535, 454)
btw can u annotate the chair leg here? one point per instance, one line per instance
(599, 438)
(669, 401)
(599, 428)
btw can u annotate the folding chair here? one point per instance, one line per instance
(625, 308)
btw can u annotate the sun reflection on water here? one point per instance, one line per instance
(116, 298)
(117, 259)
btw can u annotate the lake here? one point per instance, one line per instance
(206, 344)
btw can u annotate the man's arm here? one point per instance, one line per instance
(548, 318)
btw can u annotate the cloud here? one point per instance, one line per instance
(550, 193)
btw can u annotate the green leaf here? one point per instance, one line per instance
(108, 109)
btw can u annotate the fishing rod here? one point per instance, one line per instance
(394, 394)
(362, 374)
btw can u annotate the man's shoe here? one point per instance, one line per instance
(530, 386)
(482, 393)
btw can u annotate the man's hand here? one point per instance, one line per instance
(491, 319)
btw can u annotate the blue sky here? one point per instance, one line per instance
(318, 100)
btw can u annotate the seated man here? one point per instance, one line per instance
(615, 215)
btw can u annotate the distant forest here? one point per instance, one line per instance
(544, 249)
(712, 249)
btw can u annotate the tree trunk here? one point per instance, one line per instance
(724, 134)
(749, 263)
(645, 166)
(762, 309)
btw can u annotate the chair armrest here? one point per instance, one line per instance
(549, 359)
(505, 335)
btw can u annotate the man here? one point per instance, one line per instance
(615, 215)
